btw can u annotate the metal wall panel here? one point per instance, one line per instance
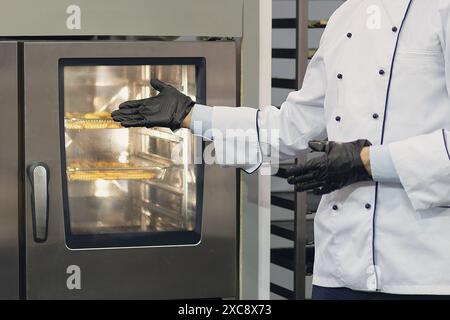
(9, 172)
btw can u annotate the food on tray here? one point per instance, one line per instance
(107, 170)
(99, 115)
(132, 174)
(92, 120)
(91, 116)
(87, 164)
(76, 124)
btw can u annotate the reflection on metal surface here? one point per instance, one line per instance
(123, 157)
(124, 180)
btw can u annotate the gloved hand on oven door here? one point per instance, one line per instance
(168, 109)
(339, 166)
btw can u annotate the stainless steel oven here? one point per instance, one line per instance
(124, 213)
(92, 210)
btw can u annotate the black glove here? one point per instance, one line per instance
(167, 109)
(338, 167)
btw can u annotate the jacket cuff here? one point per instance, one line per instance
(201, 122)
(423, 165)
(383, 169)
(236, 138)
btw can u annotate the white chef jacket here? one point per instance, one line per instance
(382, 73)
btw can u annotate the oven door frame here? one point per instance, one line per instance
(121, 240)
(206, 270)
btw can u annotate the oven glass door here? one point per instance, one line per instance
(127, 187)
(115, 213)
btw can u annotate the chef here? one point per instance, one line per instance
(378, 88)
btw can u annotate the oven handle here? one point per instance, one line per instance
(39, 176)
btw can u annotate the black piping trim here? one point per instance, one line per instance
(391, 73)
(445, 143)
(259, 144)
(448, 153)
(383, 130)
(373, 229)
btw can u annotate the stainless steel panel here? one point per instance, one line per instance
(132, 17)
(206, 270)
(9, 173)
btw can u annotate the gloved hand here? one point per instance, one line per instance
(167, 109)
(338, 167)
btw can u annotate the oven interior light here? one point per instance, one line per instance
(102, 188)
(123, 157)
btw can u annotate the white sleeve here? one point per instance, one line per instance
(423, 165)
(285, 132)
(423, 162)
(272, 134)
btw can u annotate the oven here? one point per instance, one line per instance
(112, 212)
(91, 210)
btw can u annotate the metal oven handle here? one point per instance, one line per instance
(38, 173)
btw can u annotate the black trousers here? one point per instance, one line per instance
(322, 293)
